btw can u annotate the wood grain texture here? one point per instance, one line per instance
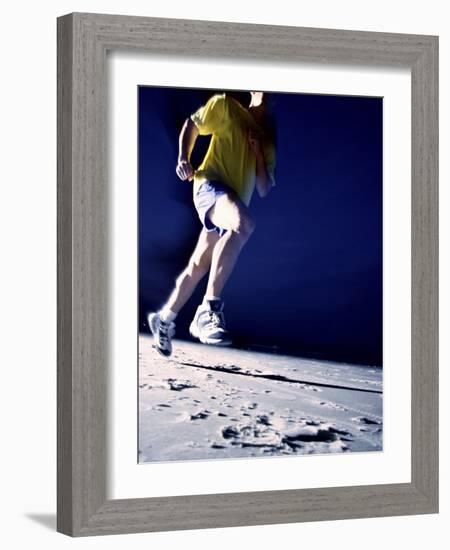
(83, 40)
(424, 280)
(64, 295)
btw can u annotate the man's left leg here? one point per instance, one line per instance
(161, 323)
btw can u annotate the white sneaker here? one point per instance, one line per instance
(162, 333)
(208, 324)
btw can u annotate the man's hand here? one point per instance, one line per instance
(184, 170)
(186, 142)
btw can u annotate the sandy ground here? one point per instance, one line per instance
(208, 402)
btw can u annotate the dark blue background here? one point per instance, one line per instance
(309, 281)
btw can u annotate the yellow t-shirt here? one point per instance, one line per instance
(229, 158)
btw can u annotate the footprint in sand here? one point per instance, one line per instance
(179, 385)
(316, 434)
(217, 446)
(263, 419)
(202, 415)
(365, 420)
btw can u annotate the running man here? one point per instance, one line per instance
(240, 157)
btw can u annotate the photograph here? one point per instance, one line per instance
(260, 291)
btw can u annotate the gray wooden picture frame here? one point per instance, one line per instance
(83, 41)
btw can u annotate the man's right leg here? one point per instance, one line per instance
(231, 214)
(228, 213)
(162, 324)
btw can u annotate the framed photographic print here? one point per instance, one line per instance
(305, 287)
(247, 274)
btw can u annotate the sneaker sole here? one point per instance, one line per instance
(151, 325)
(210, 341)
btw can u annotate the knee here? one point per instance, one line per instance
(245, 225)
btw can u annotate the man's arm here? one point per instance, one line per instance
(186, 142)
(263, 181)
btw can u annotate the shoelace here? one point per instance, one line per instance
(163, 337)
(164, 330)
(216, 320)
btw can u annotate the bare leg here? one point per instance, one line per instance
(198, 265)
(229, 213)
